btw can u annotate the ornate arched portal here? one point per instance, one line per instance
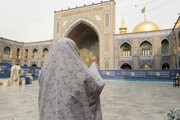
(146, 66)
(87, 41)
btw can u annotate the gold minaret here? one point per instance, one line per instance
(123, 29)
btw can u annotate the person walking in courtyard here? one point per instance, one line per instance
(69, 90)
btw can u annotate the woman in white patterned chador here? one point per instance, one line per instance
(68, 90)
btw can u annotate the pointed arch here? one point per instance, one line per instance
(125, 50)
(26, 54)
(35, 53)
(7, 52)
(166, 66)
(87, 36)
(90, 23)
(165, 47)
(45, 52)
(18, 53)
(146, 49)
(126, 66)
(146, 66)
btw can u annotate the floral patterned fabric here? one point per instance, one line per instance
(68, 90)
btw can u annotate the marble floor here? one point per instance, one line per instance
(120, 100)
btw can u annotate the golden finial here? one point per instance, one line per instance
(145, 17)
(122, 29)
(122, 23)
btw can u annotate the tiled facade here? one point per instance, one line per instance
(135, 40)
(20, 58)
(100, 17)
(80, 22)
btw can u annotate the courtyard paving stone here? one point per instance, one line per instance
(120, 100)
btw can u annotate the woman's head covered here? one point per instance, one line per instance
(64, 53)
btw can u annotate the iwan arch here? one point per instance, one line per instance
(91, 27)
(87, 39)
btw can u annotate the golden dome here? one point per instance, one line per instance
(146, 26)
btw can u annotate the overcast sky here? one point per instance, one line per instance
(32, 20)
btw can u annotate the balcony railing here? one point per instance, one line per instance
(34, 56)
(44, 56)
(7, 56)
(18, 57)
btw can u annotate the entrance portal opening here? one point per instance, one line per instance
(165, 66)
(146, 66)
(126, 66)
(34, 65)
(87, 42)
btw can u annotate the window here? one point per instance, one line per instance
(145, 49)
(26, 54)
(125, 50)
(45, 52)
(165, 47)
(18, 53)
(7, 51)
(35, 54)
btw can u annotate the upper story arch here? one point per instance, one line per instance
(85, 21)
(7, 52)
(146, 49)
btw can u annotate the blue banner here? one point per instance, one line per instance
(24, 71)
(5, 70)
(34, 69)
(142, 75)
(159, 75)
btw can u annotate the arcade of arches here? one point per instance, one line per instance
(87, 42)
